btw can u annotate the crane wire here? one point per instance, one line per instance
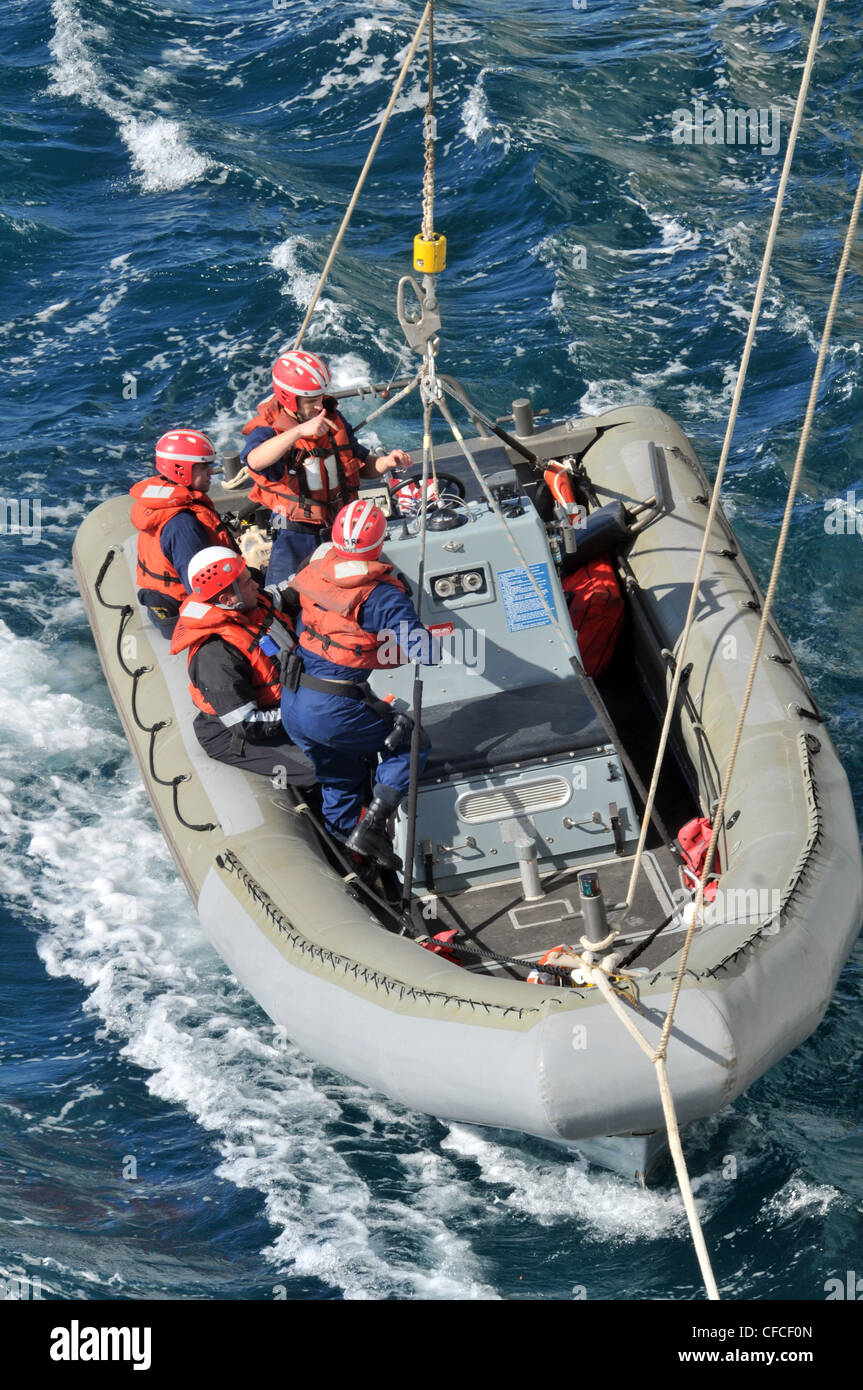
(365, 169)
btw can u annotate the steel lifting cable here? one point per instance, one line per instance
(679, 663)
(429, 128)
(393, 400)
(365, 169)
(416, 712)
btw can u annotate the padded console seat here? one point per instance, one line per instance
(514, 726)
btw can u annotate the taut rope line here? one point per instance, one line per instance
(659, 1055)
(365, 169)
(768, 601)
(598, 978)
(726, 447)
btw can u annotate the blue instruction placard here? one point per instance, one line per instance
(521, 602)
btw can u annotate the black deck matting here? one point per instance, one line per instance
(497, 917)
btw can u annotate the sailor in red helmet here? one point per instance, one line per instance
(234, 636)
(304, 460)
(175, 519)
(352, 607)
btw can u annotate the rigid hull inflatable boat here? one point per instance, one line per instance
(525, 790)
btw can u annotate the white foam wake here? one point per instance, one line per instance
(610, 393)
(162, 156)
(674, 237)
(299, 285)
(798, 1195)
(552, 1190)
(358, 68)
(476, 120)
(83, 852)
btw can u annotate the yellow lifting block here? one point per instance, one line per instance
(430, 253)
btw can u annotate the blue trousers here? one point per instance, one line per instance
(290, 549)
(341, 736)
(161, 610)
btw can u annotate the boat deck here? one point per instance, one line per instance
(497, 918)
(519, 724)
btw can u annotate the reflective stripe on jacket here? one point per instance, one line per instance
(158, 501)
(321, 475)
(332, 590)
(240, 628)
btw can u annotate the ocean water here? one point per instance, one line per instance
(173, 175)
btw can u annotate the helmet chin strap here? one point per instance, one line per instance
(235, 602)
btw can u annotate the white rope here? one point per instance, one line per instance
(598, 978)
(768, 601)
(240, 477)
(365, 169)
(658, 1057)
(726, 447)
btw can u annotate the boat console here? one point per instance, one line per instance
(517, 752)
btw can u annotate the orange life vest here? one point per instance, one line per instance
(321, 475)
(559, 482)
(240, 628)
(332, 589)
(694, 840)
(596, 610)
(157, 501)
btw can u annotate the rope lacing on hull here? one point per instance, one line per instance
(229, 863)
(126, 610)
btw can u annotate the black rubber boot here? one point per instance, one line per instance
(369, 836)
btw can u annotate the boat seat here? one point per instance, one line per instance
(512, 726)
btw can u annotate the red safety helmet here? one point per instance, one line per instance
(360, 529)
(298, 374)
(214, 569)
(178, 451)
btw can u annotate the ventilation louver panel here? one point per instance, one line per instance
(499, 803)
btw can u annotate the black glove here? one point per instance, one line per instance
(400, 733)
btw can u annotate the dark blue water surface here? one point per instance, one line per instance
(173, 174)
